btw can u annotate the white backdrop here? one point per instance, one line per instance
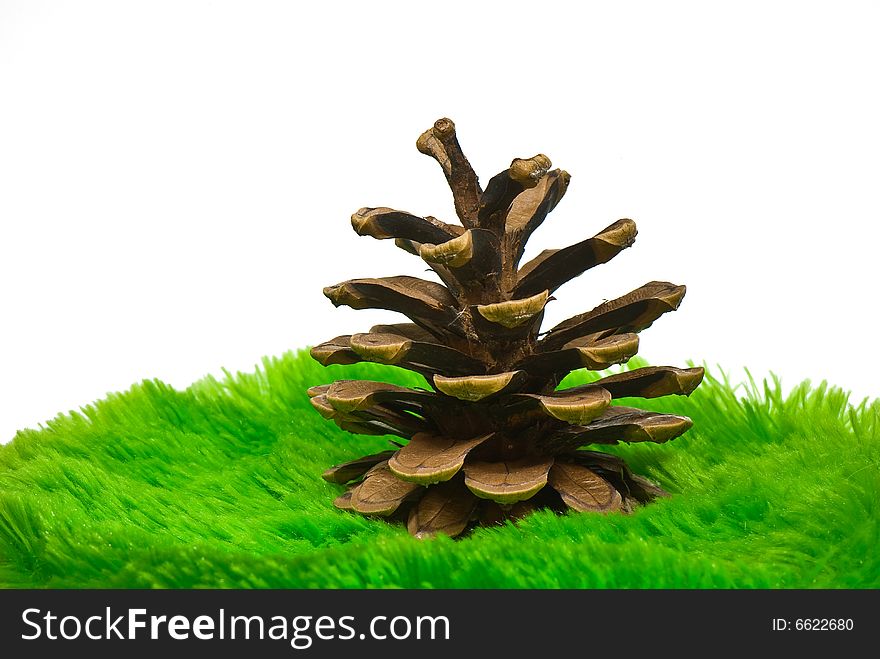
(176, 178)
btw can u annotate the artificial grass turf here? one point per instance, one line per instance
(219, 486)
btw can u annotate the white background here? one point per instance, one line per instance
(176, 178)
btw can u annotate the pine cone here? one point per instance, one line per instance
(495, 432)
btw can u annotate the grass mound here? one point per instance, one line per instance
(219, 486)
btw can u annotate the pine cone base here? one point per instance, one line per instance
(585, 481)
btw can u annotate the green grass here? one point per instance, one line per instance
(219, 486)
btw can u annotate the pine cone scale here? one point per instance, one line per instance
(552, 268)
(429, 458)
(508, 481)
